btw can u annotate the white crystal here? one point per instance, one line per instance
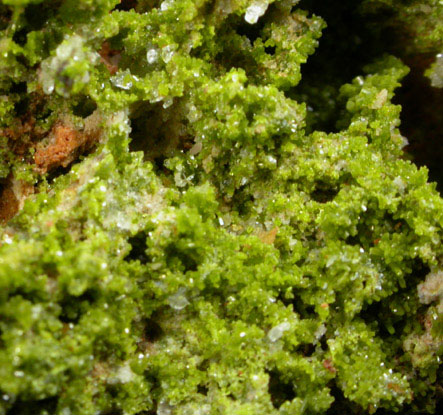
(179, 179)
(320, 332)
(255, 10)
(272, 160)
(152, 56)
(277, 332)
(168, 102)
(360, 80)
(380, 99)
(166, 5)
(401, 185)
(68, 53)
(164, 409)
(48, 86)
(124, 374)
(71, 48)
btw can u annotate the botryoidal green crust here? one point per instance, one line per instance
(239, 265)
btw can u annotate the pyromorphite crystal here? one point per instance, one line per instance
(181, 235)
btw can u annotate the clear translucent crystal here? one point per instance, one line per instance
(123, 80)
(167, 53)
(436, 74)
(178, 301)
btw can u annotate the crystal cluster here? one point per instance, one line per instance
(181, 234)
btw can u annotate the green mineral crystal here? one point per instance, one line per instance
(192, 226)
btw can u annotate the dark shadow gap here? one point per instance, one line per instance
(341, 405)
(279, 390)
(34, 407)
(85, 107)
(351, 41)
(126, 5)
(153, 331)
(324, 192)
(158, 132)
(5, 16)
(348, 43)
(138, 249)
(57, 172)
(202, 390)
(421, 118)
(36, 15)
(74, 307)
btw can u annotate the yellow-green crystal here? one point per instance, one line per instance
(212, 254)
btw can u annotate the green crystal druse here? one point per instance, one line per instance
(192, 241)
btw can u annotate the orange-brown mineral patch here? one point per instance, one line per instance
(8, 204)
(12, 197)
(16, 133)
(268, 237)
(23, 131)
(65, 144)
(109, 57)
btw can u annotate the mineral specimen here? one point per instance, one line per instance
(181, 233)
